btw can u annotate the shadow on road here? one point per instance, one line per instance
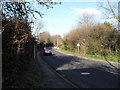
(91, 78)
(83, 72)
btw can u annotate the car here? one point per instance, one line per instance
(47, 50)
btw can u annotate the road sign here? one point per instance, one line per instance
(78, 44)
(78, 47)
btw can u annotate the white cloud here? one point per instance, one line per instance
(91, 11)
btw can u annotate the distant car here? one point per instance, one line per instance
(57, 48)
(47, 50)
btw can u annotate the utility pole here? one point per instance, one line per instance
(34, 31)
(34, 51)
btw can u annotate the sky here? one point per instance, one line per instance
(64, 17)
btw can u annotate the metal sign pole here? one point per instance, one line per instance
(78, 48)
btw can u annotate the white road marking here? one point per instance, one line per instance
(85, 73)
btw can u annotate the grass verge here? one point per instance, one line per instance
(109, 58)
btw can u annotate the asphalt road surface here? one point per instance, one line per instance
(84, 73)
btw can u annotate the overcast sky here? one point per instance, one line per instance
(64, 17)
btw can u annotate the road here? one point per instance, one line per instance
(83, 73)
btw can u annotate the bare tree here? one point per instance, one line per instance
(86, 18)
(38, 28)
(110, 10)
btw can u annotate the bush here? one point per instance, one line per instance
(101, 39)
(17, 49)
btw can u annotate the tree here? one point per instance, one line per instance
(17, 32)
(17, 40)
(57, 40)
(110, 10)
(79, 34)
(103, 40)
(45, 38)
(38, 28)
(22, 10)
(87, 23)
(17, 43)
(86, 18)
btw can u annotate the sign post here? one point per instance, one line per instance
(78, 47)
